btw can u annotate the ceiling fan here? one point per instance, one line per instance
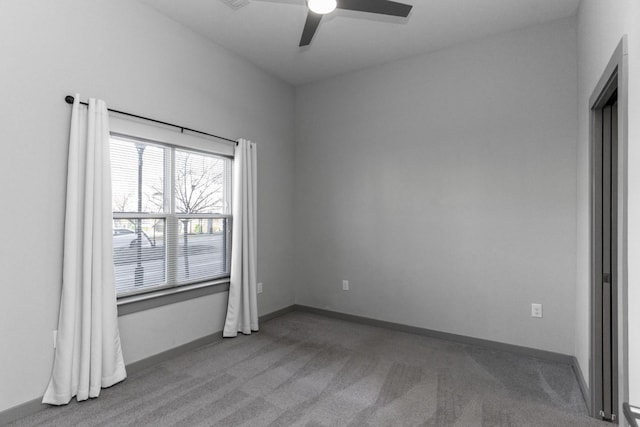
(318, 8)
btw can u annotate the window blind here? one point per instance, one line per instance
(171, 215)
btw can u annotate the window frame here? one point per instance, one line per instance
(172, 140)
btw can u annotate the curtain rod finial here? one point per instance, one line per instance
(69, 99)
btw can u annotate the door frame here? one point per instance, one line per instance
(614, 77)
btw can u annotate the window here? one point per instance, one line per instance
(171, 215)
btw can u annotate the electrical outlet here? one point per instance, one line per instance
(536, 310)
(259, 288)
(55, 339)
(345, 285)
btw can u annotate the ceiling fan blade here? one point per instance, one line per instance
(383, 7)
(310, 27)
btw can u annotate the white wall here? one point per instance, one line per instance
(600, 28)
(138, 61)
(444, 188)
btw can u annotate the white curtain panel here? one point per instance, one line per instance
(242, 310)
(88, 355)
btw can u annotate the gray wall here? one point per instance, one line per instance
(142, 62)
(444, 188)
(601, 25)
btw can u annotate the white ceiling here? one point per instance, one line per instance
(267, 32)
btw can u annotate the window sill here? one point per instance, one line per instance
(135, 303)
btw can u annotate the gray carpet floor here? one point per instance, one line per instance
(308, 370)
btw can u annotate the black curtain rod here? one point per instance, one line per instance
(69, 99)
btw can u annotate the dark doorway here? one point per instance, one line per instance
(608, 364)
(605, 214)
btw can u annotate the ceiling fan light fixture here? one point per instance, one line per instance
(322, 7)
